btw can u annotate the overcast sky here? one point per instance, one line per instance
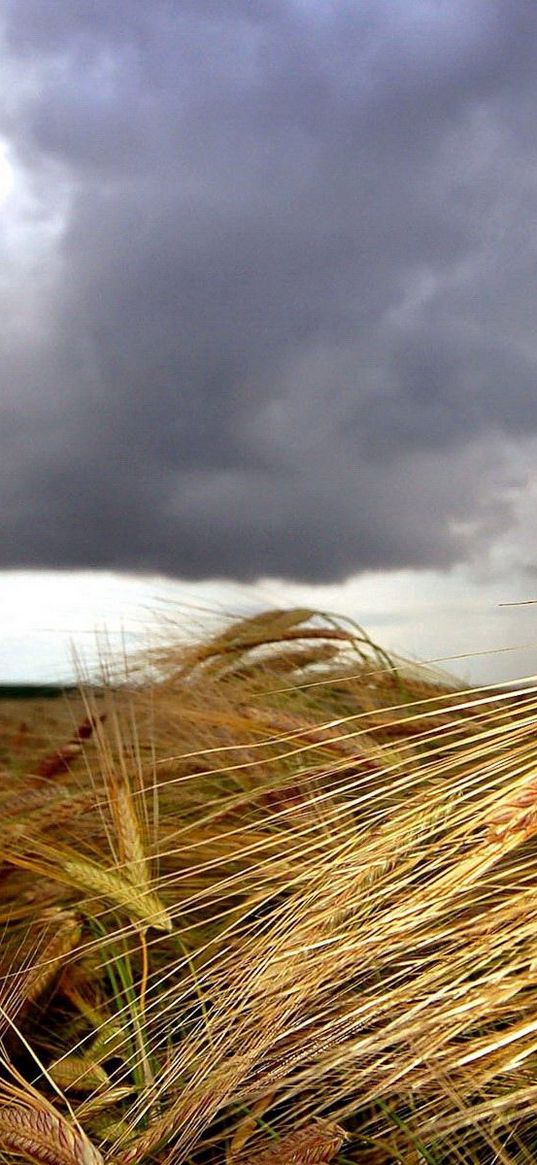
(268, 288)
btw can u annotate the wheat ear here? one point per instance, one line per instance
(52, 956)
(44, 1137)
(316, 1144)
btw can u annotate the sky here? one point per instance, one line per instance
(267, 311)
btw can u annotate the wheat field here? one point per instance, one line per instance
(276, 903)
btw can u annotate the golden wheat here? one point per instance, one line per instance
(317, 1144)
(44, 1137)
(349, 863)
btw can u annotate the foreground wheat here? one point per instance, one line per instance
(286, 888)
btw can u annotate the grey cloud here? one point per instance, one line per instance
(287, 325)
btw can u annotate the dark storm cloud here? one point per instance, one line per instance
(268, 304)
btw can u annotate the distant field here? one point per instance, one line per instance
(32, 691)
